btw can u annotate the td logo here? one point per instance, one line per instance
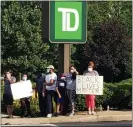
(68, 22)
(66, 19)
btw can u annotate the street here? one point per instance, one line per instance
(101, 124)
(97, 124)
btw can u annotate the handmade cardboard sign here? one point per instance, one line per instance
(89, 85)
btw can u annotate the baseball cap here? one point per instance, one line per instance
(51, 66)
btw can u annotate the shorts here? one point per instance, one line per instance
(60, 100)
(8, 99)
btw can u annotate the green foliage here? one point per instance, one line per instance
(116, 95)
(80, 103)
(101, 14)
(22, 47)
(34, 107)
(110, 51)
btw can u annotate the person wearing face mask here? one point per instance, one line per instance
(90, 99)
(49, 89)
(71, 89)
(25, 102)
(60, 89)
(39, 87)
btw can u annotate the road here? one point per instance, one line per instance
(98, 124)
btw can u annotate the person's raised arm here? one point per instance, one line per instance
(76, 72)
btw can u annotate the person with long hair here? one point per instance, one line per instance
(90, 99)
(7, 96)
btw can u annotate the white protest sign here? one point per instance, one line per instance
(89, 85)
(21, 89)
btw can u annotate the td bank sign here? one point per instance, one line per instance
(67, 22)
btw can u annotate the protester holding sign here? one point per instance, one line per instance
(25, 102)
(90, 99)
(7, 97)
(71, 89)
(49, 89)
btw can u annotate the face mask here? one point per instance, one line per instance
(48, 70)
(62, 78)
(90, 69)
(72, 71)
(24, 78)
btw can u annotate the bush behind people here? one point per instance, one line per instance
(116, 95)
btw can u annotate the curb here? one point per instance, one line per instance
(64, 119)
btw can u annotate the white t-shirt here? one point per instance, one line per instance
(48, 77)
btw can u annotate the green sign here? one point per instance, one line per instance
(68, 22)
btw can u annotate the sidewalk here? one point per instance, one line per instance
(79, 117)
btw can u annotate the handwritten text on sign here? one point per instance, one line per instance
(89, 85)
(21, 89)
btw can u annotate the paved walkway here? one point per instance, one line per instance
(79, 117)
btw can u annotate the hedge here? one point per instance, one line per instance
(116, 95)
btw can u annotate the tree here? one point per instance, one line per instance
(22, 47)
(110, 50)
(100, 12)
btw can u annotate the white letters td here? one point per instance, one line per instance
(66, 19)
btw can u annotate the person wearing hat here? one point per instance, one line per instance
(49, 89)
(90, 99)
(60, 89)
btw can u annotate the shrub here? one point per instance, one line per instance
(116, 95)
(33, 105)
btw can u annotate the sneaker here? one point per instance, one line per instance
(89, 113)
(71, 114)
(93, 113)
(49, 115)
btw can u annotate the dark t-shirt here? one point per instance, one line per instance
(61, 85)
(39, 84)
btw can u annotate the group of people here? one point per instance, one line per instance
(51, 90)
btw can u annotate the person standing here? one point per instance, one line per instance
(39, 87)
(60, 89)
(90, 99)
(71, 89)
(7, 96)
(25, 102)
(49, 89)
